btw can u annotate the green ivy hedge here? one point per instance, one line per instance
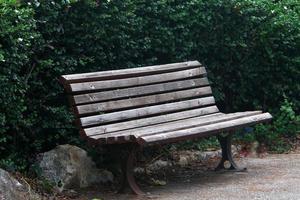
(251, 49)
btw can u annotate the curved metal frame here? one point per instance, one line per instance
(129, 160)
(225, 143)
(128, 181)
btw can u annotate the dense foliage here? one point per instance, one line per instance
(250, 47)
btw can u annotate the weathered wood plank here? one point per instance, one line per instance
(139, 91)
(150, 121)
(139, 71)
(204, 130)
(143, 101)
(146, 111)
(176, 125)
(155, 129)
(135, 81)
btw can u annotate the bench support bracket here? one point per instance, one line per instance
(227, 162)
(128, 179)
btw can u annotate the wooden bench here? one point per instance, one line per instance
(152, 105)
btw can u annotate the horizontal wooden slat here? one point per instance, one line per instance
(150, 121)
(139, 91)
(202, 131)
(139, 71)
(146, 111)
(177, 125)
(133, 133)
(143, 101)
(136, 81)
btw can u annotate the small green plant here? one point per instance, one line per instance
(279, 134)
(46, 185)
(13, 163)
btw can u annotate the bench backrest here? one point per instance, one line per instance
(122, 95)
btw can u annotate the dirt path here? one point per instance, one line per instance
(275, 177)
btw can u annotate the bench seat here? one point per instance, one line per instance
(172, 131)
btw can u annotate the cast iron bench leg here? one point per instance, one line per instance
(128, 180)
(225, 142)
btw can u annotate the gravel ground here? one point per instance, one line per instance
(274, 177)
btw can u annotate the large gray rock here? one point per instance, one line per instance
(11, 189)
(69, 167)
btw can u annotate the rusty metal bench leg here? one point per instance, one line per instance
(128, 180)
(227, 162)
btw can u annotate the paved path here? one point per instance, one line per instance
(275, 177)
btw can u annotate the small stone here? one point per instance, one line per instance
(200, 155)
(227, 164)
(211, 154)
(159, 164)
(139, 170)
(158, 182)
(183, 161)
